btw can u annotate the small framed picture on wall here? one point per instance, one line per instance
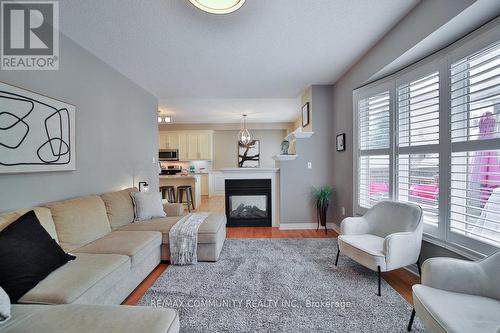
(305, 114)
(341, 142)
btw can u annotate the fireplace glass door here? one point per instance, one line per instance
(248, 206)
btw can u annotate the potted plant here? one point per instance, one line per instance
(322, 198)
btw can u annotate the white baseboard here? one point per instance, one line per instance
(303, 226)
(412, 269)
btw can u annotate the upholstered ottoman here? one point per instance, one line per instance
(211, 236)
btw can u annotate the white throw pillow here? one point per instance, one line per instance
(4, 306)
(147, 205)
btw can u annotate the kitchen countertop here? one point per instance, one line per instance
(178, 176)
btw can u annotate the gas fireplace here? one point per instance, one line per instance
(248, 202)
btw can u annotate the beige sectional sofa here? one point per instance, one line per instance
(113, 255)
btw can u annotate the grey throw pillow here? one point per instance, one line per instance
(4, 306)
(147, 205)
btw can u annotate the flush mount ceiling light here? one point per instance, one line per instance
(164, 120)
(218, 6)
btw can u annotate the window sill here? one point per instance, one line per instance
(460, 250)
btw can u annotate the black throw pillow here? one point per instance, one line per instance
(27, 255)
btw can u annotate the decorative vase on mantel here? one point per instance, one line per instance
(284, 147)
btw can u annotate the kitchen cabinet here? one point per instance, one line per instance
(205, 146)
(168, 140)
(183, 146)
(204, 184)
(192, 145)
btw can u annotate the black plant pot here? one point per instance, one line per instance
(321, 212)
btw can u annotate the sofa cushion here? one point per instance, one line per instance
(147, 205)
(87, 273)
(119, 207)
(42, 213)
(207, 233)
(27, 255)
(162, 225)
(368, 250)
(446, 311)
(76, 318)
(136, 245)
(79, 221)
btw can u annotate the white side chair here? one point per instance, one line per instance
(387, 237)
(458, 295)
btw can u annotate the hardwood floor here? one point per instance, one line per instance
(401, 280)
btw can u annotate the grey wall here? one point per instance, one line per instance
(418, 24)
(428, 16)
(296, 180)
(226, 147)
(116, 130)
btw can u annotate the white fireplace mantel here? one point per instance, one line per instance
(250, 170)
(260, 173)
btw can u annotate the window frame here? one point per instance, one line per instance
(424, 69)
(357, 97)
(440, 62)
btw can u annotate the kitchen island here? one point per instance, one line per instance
(177, 180)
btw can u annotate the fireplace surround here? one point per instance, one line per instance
(248, 202)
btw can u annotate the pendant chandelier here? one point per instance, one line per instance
(244, 136)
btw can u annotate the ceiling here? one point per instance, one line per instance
(259, 58)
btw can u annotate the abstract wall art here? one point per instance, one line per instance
(37, 133)
(249, 155)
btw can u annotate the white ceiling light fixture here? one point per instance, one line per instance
(244, 136)
(164, 120)
(218, 6)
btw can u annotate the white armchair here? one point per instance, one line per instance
(387, 237)
(458, 295)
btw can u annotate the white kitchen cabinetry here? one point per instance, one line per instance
(169, 140)
(205, 145)
(193, 151)
(183, 146)
(192, 145)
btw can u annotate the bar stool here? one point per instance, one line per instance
(189, 195)
(168, 192)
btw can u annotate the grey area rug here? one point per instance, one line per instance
(279, 285)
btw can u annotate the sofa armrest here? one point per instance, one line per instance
(173, 209)
(354, 226)
(402, 249)
(455, 275)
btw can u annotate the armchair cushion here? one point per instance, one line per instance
(354, 226)
(446, 311)
(402, 249)
(389, 217)
(368, 250)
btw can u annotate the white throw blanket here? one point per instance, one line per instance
(184, 239)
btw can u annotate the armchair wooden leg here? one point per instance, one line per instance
(419, 266)
(338, 252)
(379, 277)
(412, 317)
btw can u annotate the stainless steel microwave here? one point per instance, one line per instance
(168, 155)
